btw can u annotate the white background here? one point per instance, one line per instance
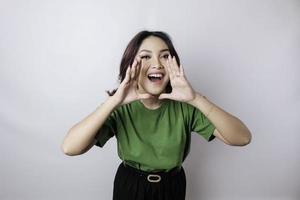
(58, 57)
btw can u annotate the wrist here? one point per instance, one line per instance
(196, 99)
(112, 101)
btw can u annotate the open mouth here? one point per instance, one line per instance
(155, 77)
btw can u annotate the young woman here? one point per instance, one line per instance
(152, 114)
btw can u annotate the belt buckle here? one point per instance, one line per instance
(155, 180)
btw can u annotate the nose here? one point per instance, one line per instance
(156, 63)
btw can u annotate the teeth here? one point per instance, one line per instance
(156, 75)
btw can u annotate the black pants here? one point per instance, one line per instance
(133, 184)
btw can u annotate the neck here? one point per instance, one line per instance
(152, 103)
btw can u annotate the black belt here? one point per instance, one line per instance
(153, 177)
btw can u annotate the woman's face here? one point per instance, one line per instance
(153, 76)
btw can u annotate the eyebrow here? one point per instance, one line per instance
(151, 51)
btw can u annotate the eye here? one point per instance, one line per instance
(166, 56)
(145, 57)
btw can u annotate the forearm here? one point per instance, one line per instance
(82, 134)
(230, 127)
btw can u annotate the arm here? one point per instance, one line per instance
(229, 128)
(81, 137)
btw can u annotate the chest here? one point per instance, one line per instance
(155, 130)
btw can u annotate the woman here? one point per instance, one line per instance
(152, 114)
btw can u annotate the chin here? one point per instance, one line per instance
(155, 91)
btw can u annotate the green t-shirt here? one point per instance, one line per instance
(154, 140)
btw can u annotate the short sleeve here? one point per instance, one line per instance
(201, 125)
(107, 130)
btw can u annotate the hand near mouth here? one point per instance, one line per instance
(181, 88)
(128, 89)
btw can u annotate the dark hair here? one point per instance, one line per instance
(132, 49)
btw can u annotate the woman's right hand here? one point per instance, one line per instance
(128, 90)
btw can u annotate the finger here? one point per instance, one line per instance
(175, 66)
(127, 75)
(138, 68)
(138, 58)
(171, 72)
(133, 66)
(171, 64)
(181, 70)
(132, 73)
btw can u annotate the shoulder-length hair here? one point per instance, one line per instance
(132, 49)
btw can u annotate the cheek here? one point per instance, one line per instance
(163, 62)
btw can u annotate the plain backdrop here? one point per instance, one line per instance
(58, 57)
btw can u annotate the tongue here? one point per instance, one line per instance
(154, 79)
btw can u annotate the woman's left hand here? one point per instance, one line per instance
(181, 88)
